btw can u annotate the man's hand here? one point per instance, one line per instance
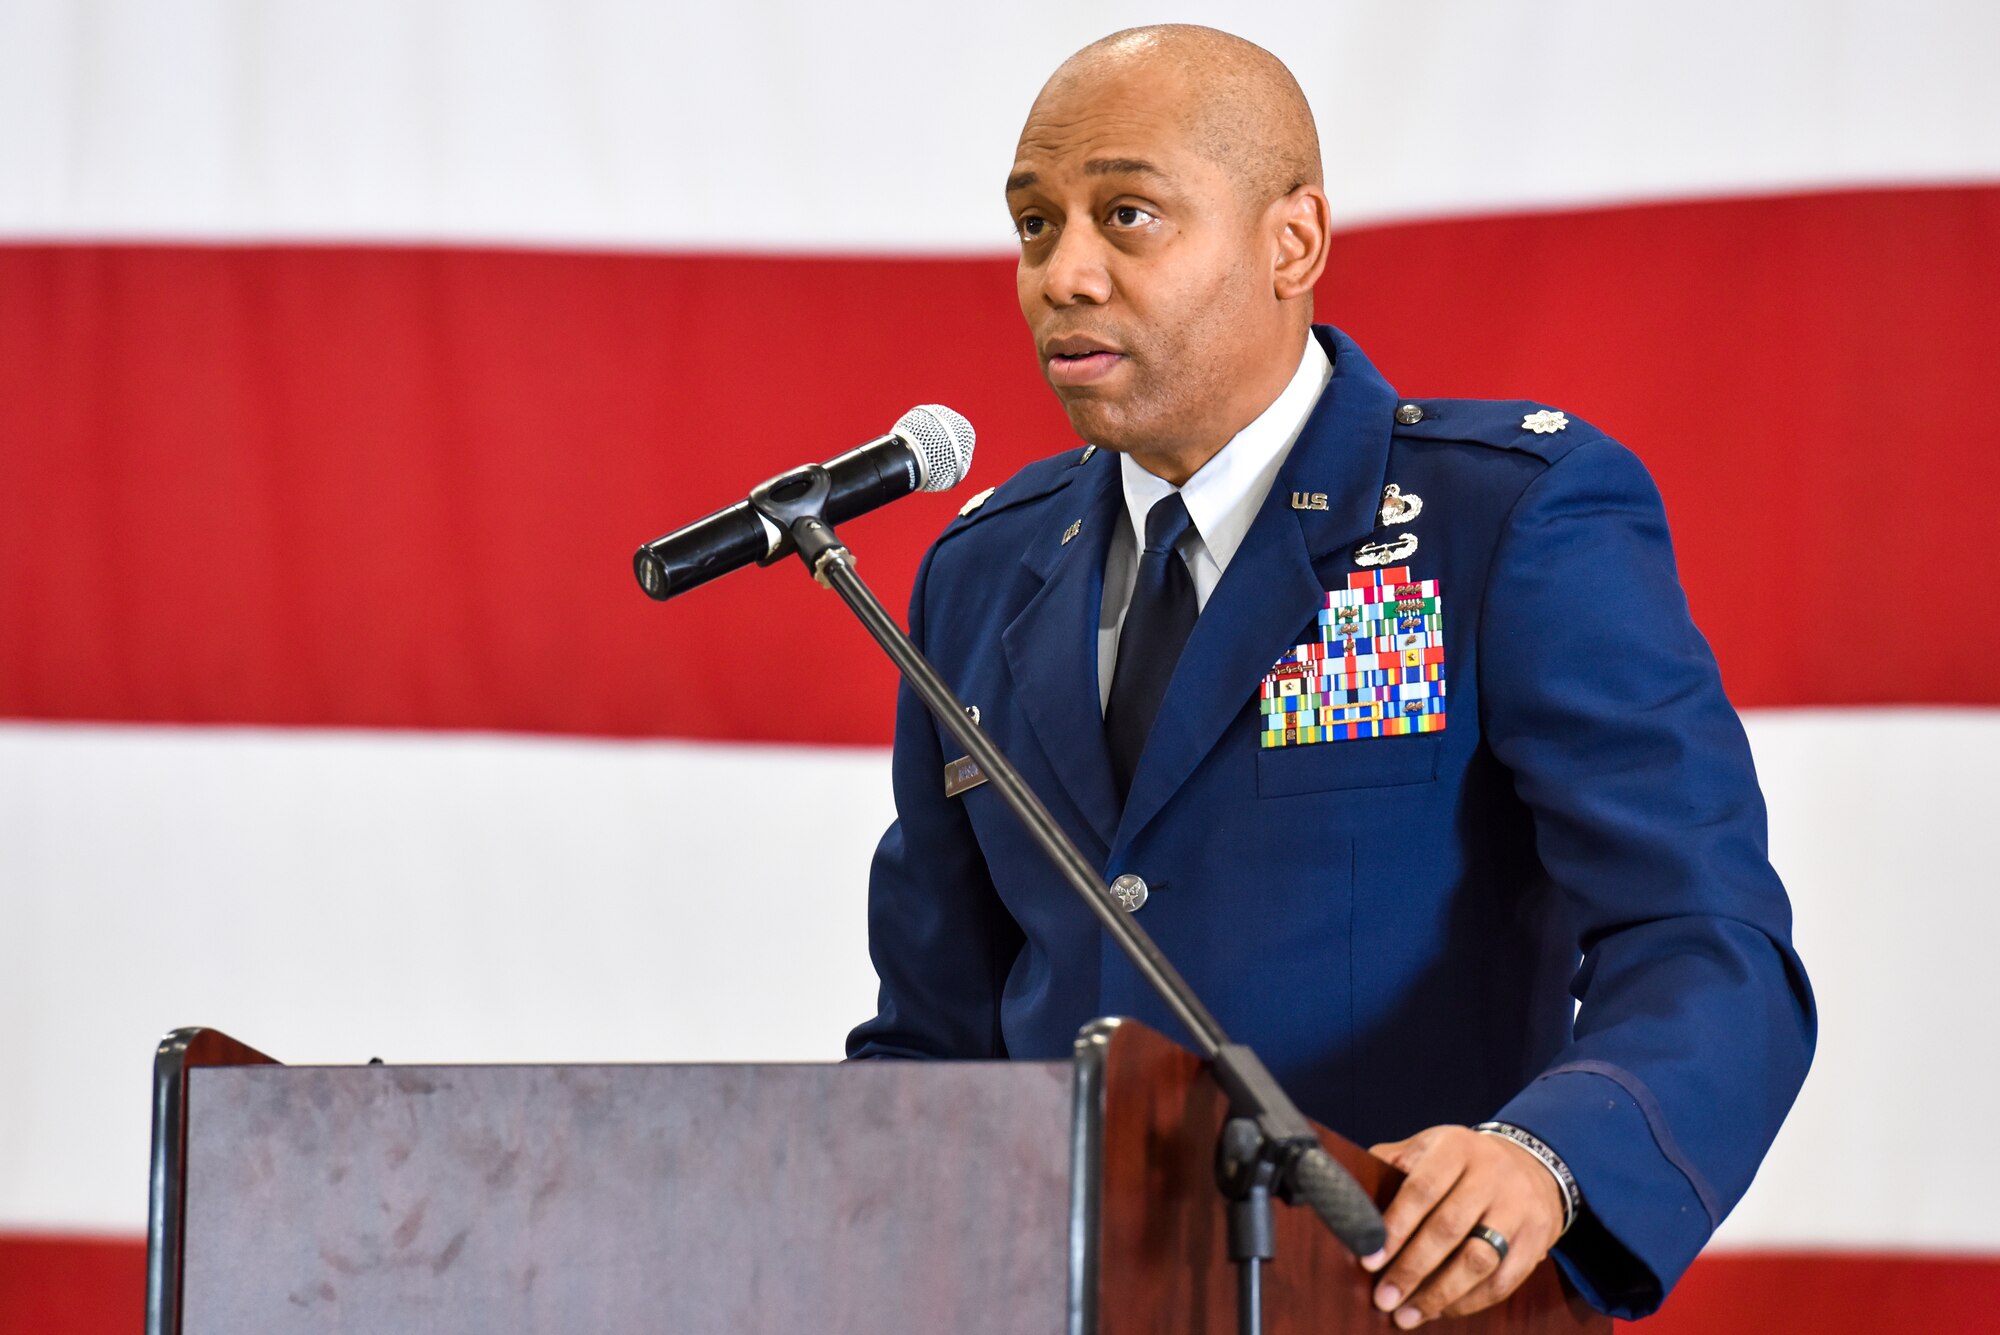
(1458, 1178)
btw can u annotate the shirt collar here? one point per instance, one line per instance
(1225, 493)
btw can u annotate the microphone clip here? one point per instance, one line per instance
(795, 504)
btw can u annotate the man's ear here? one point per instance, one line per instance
(1300, 224)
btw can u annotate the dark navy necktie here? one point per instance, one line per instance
(1156, 627)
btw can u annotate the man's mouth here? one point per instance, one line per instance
(1077, 361)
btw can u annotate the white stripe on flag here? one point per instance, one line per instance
(889, 127)
(1881, 824)
(334, 896)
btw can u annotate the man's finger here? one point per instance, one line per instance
(1433, 1171)
(1395, 1151)
(1476, 1275)
(1442, 1231)
(1524, 1253)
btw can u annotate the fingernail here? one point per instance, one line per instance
(1409, 1318)
(1374, 1260)
(1388, 1296)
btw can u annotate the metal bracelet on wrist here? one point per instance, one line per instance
(1572, 1195)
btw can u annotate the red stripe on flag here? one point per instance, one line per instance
(1805, 376)
(71, 1286)
(400, 488)
(1829, 1293)
(77, 1286)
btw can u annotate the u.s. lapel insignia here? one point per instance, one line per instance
(1071, 532)
(1383, 553)
(1543, 423)
(1398, 508)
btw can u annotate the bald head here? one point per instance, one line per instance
(1166, 193)
(1239, 105)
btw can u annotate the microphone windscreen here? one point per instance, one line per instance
(942, 440)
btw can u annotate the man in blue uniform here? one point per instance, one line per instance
(1389, 710)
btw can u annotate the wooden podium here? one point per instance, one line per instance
(839, 1199)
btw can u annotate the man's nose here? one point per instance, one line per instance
(1076, 271)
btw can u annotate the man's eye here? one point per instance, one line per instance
(1130, 215)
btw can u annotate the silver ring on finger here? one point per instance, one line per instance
(1492, 1237)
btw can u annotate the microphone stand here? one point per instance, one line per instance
(1266, 1145)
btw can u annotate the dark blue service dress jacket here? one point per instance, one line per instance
(1387, 869)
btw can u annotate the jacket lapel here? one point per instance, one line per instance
(1051, 646)
(1270, 591)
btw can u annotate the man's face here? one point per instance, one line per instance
(1141, 274)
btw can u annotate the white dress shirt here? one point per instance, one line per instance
(1222, 498)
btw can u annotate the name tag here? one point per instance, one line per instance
(962, 775)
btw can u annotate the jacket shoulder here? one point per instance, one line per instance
(1522, 425)
(1033, 482)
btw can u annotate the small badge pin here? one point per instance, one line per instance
(1398, 508)
(1309, 500)
(1071, 532)
(1385, 553)
(1544, 422)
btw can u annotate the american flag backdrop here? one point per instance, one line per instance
(346, 352)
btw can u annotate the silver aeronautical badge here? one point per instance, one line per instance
(1385, 553)
(1544, 422)
(1398, 508)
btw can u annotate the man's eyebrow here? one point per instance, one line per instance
(1094, 167)
(1120, 167)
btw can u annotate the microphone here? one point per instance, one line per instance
(929, 449)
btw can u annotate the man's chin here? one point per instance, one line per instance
(1102, 422)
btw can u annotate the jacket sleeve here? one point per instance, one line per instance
(1696, 1023)
(941, 941)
